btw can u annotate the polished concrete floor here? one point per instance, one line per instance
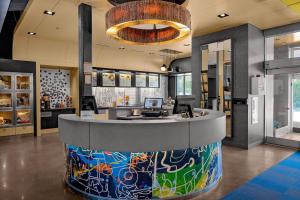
(291, 136)
(33, 168)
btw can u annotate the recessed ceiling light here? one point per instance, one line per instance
(49, 12)
(187, 45)
(31, 33)
(223, 15)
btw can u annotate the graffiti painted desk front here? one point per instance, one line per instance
(143, 159)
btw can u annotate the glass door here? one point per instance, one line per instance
(283, 109)
(296, 106)
(282, 105)
(6, 100)
(23, 99)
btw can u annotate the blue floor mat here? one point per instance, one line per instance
(280, 182)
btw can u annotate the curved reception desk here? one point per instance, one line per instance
(143, 159)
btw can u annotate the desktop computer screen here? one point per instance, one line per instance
(153, 103)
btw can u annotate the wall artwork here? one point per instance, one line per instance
(56, 83)
(144, 175)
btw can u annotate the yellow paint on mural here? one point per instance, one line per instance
(293, 4)
(202, 182)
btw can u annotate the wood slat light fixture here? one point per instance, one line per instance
(148, 22)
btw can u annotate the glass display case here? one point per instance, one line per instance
(6, 118)
(16, 99)
(23, 82)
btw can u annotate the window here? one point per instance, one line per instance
(295, 52)
(184, 84)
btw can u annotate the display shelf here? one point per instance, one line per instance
(6, 118)
(5, 82)
(23, 100)
(24, 116)
(5, 100)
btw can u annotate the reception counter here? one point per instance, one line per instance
(143, 159)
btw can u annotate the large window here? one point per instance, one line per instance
(184, 84)
(295, 52)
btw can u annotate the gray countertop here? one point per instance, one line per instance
(170, 119)
(170, 133)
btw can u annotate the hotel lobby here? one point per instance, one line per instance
(150, 99)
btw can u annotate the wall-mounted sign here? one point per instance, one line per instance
(108, 79)
(87, 79)
(153, 80)
(88, 68)
(141, 80)
(125, 79)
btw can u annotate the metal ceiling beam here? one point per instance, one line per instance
(4, 5)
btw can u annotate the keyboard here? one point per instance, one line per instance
(151, 113)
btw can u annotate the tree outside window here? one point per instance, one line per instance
(184, 84)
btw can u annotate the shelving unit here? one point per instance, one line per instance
(204, 89)
(228, 97)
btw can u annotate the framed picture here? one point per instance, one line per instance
(125, 79)
(153, 80)
(141, 80)
(108, 79)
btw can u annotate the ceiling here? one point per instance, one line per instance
(63, 25)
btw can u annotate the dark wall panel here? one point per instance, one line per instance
(256, 67)
(172, 86)
(184, 64)
(247, 59)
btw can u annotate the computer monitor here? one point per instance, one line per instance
(89, 103)
(184, 104)
(153, 103)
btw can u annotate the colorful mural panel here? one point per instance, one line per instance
(148, 175)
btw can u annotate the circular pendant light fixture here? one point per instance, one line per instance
(148, 21)
(118, 2)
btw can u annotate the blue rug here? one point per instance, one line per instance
(280, 182)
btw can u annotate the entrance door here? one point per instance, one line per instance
(282, 104)
(283, 109)
(296, 104)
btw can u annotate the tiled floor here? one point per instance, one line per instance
(33, 168)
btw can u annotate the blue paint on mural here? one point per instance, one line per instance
(124, 175)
